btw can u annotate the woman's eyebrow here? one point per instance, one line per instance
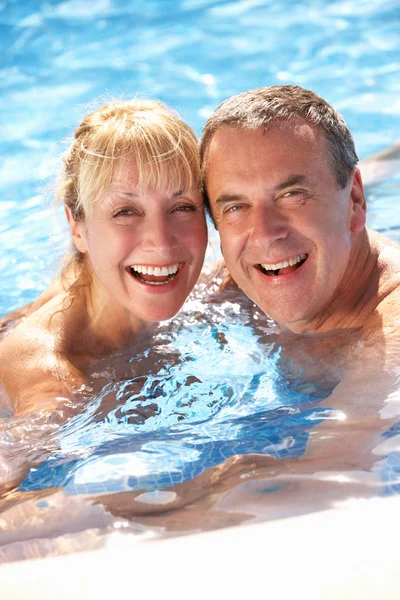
(124, 193)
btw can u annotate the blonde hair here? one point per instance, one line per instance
(163, 147)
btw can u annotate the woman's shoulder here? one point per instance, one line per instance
(34, 359)
(26, 345)
(42, 334)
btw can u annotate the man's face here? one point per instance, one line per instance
(285, 225)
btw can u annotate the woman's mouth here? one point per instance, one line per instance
(160, 275)
(284, 267)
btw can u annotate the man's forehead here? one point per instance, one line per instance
(239, 159)
(233, 149)
(296, 129)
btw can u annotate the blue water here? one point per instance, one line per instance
(60, 58)
(206, 399)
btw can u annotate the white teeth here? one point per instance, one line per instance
(285, 263)
(173, 269)
(157, 271)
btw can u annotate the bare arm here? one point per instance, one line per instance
(38, 390)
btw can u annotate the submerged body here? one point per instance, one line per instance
(287, 199)
(240, 413)
(131, 192)
(45, 357)
(130, 187)
(295, 242)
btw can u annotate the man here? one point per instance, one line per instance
(286, 196)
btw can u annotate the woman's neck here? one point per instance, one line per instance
(100, 326)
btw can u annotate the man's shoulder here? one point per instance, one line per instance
(384, 320)
(387, 248)
(383, 324)
(387, 254)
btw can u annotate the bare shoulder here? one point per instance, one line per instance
(388, 249)
(58, 286)
(34, 368)
(383, 324)
(55, 288)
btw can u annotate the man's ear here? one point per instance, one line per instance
(77, 229)
(358, 207)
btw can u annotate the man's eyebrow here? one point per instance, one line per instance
(292, 180)
(223, 198)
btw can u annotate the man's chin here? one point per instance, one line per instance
(293, 318)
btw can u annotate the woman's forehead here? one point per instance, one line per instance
(172, 175)
(125, 171)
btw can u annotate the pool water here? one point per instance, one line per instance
(211, 385)
(215, 391)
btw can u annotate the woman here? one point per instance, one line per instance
(130, 186)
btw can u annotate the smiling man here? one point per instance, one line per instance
(286, 196)
(287, 199)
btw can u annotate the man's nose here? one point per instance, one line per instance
(269, 224)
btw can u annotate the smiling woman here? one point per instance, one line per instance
(130, 186)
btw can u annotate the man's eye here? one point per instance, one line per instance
(295, 197)
(233, 208)
(294, 194)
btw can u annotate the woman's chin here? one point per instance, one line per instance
(156, 315)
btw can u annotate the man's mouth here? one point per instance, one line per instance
(284, 267)
(154, 275)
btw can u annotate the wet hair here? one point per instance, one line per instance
(278, 105)
(163, 147)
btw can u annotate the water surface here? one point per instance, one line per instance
(215, 383)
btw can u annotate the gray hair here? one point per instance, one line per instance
(277, 104)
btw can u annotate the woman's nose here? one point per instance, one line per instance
(159, 235)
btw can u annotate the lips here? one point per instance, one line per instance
(154, 275)
(282, 268)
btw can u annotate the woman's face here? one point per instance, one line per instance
(145, 247)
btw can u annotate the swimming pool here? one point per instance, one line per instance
(211, 387)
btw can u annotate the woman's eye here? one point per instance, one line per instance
(185, 208)
(123, 212)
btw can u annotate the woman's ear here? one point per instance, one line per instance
(358, 207)
(77, 229)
